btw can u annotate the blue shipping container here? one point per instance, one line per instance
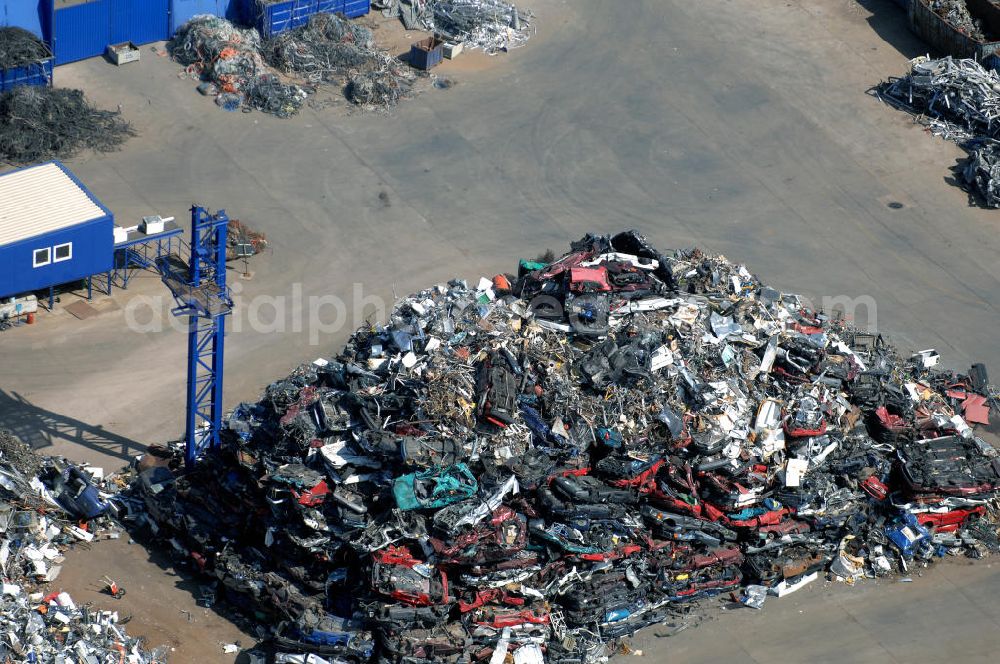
(36, 73)
(275, 18)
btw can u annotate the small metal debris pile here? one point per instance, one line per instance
(956, 12)
(39, 123)
(18, 47)
(958, 100)
(47, 505)
(539, 464)
(491, 25)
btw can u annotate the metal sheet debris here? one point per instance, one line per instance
(499, 473)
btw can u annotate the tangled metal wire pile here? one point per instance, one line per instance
(532, 467)
(19, 47)
(331, 49)
(215, 50)
(958, 100)
(38, 123)
(956, 12)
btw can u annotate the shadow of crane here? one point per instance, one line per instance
(40, 428)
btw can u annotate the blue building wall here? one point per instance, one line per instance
(93, 253)
(33, 15)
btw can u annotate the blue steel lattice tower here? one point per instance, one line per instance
(203, 298)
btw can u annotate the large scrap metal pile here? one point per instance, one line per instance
(47, 505)
(241, 71)
(958, 100)
(541, 464)
(493, 26)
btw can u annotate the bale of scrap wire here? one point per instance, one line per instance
(492, 25)
(18, 47)
(982, 171)
(39, 123)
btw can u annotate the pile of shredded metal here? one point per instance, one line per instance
(38, 123)
(958, 100)
(956, 12)
(18, 47)
(491, 25)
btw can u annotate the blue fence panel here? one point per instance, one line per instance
(82, 31)
(356, 8)
(36, 73)
(329, 6)
(139, 21)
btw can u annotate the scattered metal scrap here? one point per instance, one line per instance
(539, 464)
(45, 507)
(958, 100)
(38, 123)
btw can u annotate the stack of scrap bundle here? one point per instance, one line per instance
(958, 100)
(38, 123)
(535, 466)
(230, 58)
(18, 47)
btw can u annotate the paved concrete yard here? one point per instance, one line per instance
(741, 127)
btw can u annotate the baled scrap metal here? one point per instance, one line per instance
(487, 473)
(982, 171)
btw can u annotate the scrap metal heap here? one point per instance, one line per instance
(958, 100)
(493, 26)
(540, 465)
(18, 47)
(47, 505)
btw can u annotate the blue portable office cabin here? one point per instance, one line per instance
(53, 230)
